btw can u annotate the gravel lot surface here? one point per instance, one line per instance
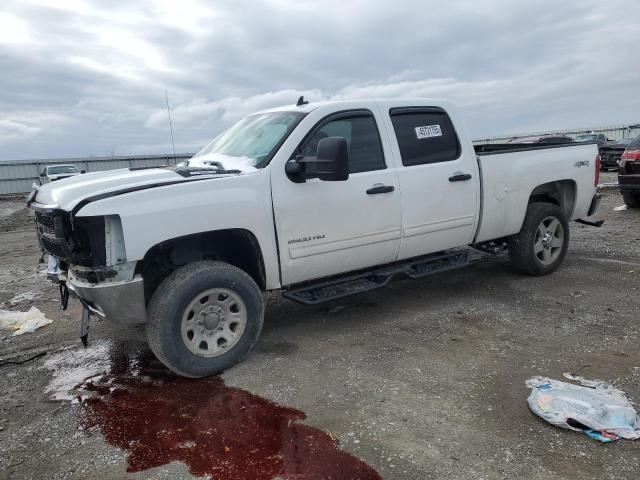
(423, 379)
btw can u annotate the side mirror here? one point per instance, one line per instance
(333, 159)
(331, 164)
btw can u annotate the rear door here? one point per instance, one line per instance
(439, 179)
(330, 227)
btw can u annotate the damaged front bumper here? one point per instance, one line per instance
(119, 301)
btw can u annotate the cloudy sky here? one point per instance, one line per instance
(88, 77)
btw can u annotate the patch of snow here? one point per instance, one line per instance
(187, 444)
(245, 164)
(620, 208)
(71, 367)
(8, 211)
(22, 297)
(23, 322)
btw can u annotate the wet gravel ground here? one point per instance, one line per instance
(423, 379)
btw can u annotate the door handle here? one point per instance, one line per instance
(380, 189)
(460, 177)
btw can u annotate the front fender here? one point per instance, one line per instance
(158, 214)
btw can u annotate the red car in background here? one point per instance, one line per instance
(629, 174)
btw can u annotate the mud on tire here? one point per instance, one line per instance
(180, 299)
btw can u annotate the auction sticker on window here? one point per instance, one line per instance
(428, 131)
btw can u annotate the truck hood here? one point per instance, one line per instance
(67, 193)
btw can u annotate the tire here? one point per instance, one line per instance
(191, 318)
(632, 201)
(532, 252)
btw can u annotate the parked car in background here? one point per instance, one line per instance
(611, 152)
(51, 173)
(629, 174)
(543, 139)
(598, 138)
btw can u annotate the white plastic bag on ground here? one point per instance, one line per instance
(23, 322)
(596, 408)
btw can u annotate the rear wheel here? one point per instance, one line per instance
(541, 245)
(632, 201)
(204, 318)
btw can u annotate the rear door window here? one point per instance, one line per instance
(425, 135)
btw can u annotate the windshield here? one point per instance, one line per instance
(249, 144)
(62, 169)
(586, 138)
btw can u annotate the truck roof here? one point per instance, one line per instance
(308, 107)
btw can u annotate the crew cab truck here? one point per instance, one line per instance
(318, 200)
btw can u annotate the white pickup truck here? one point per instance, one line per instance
(53, 173)
(317, 200)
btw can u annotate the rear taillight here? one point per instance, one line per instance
(596, 179)
(631, 155)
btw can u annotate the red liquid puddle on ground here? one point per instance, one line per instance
(225, 432)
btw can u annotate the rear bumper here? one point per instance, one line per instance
(629, 183)
(595, 203)
(119, 301)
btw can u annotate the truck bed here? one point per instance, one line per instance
(498, 148)
(511, 172)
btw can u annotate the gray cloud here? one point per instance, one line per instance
(88, 78)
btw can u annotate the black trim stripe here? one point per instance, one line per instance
(102, 196)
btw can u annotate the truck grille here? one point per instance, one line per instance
(50, 229)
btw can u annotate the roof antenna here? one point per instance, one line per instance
(166, 96)
(301, 101)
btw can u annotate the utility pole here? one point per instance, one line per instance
(166, 96)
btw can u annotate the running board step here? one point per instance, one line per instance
(350, 284)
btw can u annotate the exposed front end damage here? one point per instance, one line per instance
(92, 263)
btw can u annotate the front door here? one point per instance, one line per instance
(329, 227)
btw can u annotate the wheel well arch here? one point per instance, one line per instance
(560, 192)
(237, 246)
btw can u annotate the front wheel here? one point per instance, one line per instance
(204, 318)
(541, 245)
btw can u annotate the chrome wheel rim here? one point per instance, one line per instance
(549, 241)
(214, 322)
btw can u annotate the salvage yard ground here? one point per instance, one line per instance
(423, 379)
